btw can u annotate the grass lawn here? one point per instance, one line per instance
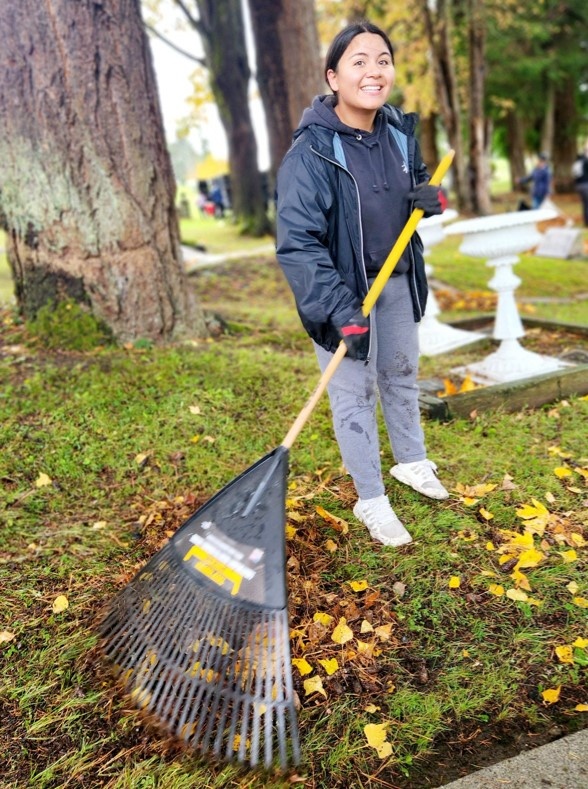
(470, 641)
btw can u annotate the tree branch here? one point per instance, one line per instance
(183, 52)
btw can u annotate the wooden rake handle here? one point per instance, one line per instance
(368, 303)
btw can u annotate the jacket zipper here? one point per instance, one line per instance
(364, 271)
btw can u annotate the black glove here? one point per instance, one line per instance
(426, 196)
(355, 334)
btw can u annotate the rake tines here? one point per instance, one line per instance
(200, 637)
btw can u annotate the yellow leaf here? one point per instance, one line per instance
(60, 604)
(490, 546)
(530, 558)
(331, 546)
(517, 595)
(375, 734)
(581, 602)
(330, 666)
(551, 695)
(565, 653)
(371, 708)
(322, 618)
(342, 633)
(468, 385)
(302, 665)
(43, 480)
(366, 627)
(505, 558)
(528, 511)
(383, 632)
(572, 587)
(469, 501)
(314, 685)
(521, 580)
(290, 532)
(142, 457)
(582, 471)
(195, 409)
(581, 643)
(581, 707)
(577, 539)
(496, 589)
(454, 582)
(562, 471)
(6, 636)
(485, 514)
(364, 648)
(358, 586)
(569, 556)
(337, 523)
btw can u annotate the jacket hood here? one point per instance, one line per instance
(321, 113)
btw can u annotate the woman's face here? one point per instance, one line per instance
(363, 80)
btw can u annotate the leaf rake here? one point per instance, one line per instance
(199, 638)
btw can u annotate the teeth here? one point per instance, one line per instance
(372, 88)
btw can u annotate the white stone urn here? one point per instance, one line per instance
(501, 238)
(436, 337)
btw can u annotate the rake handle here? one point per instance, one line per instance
(368, 303)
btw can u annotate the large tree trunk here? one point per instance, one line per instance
(289, 70)
(86, 186)
(479, 174)
(515, 143)
(438, 28)
(221, 27)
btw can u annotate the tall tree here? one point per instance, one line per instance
(478, 162)
(86, 186)
(289, 72)
(221, 27)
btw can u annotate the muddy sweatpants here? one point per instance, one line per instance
(390, 376)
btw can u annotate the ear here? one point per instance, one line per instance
(332, 80)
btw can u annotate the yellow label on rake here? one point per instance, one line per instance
(218, 572)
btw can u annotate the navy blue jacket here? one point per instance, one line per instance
(319, 238)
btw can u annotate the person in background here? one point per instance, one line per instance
(580, 174)
(345, 190)
(540, 178)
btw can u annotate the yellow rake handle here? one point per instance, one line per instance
(368, 303)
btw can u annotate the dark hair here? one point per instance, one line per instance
(344, 37)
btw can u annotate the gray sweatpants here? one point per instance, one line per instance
(390, 374)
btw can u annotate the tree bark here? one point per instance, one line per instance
(86, 186)
(438, 28)
(221, 27)
(478, 165)
(289, 70)
(565, 134)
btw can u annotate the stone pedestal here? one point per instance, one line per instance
(500, 238)
(436, 337)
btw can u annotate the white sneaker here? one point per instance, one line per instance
(422, 477)
(381, 521)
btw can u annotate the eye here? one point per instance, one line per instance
(359, 63)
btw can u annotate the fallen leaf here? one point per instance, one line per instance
(517, 595)
(290, 532)
(496, 589)
(551, 695)
(331, 546)
(358, 586)
(6, 636)
(485, 514)
(142, 458)
(366, 627)
(581, 643)
(581, 602)
(314, 685)
(324, 619)
(572, 587)
(581, 707)
(61, 603)
(337, 523)
(565, 653)
(399, 588)
(302, 665)
(375, 734)
(195, 409)
(383, 632)
(530, 558)
(454, 582)
(342, 633)
(569, 556)
(330, 665)
(372, 708)
(562, 471)
(43, 480)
